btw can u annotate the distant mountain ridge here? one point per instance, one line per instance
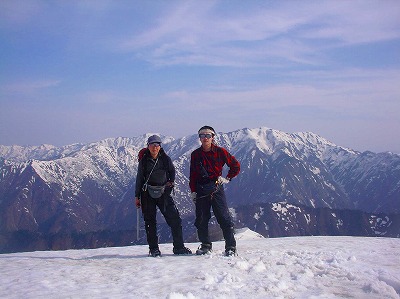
(84, 188)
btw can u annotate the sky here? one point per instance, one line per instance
(81, 71)
(295, 267)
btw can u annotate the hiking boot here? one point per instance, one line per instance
(154, 252)
(230, 251)
(182, 251)
(204, 249)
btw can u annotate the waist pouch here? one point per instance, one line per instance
(155, 191)
(206, 189)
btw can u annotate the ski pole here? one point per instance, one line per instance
(137, 224)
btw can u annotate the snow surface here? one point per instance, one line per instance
(295, 267)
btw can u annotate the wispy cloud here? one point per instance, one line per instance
(28, 87)
(294, 32)
(351, 90)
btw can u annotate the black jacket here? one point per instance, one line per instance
(164, 171)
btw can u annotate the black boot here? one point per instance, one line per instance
(230, 251)
(154, 252)
(204, 249)
(182, 251)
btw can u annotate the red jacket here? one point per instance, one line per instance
(212, 163)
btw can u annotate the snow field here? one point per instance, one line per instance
(297, 267)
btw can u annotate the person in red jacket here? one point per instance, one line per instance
(207, 190)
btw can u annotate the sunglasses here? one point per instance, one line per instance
(208, 136)
(155, 144)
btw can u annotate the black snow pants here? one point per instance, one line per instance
(216, 201)
(168, 209)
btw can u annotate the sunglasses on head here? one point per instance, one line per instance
(208, 136)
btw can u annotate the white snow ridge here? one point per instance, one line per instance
(294, 267)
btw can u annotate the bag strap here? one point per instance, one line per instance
(151, 172)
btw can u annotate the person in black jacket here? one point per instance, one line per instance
(154, 183)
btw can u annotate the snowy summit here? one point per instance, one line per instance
(295, 267)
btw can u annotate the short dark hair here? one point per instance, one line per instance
(207, 128)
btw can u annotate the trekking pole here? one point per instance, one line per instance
(137, 224)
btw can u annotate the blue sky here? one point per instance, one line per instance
(81, 71)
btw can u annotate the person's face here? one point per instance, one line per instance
(206, 140)
(154, 149)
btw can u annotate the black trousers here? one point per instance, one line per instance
(168, 209)
(220, 208)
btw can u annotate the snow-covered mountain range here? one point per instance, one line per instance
(83, 188)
